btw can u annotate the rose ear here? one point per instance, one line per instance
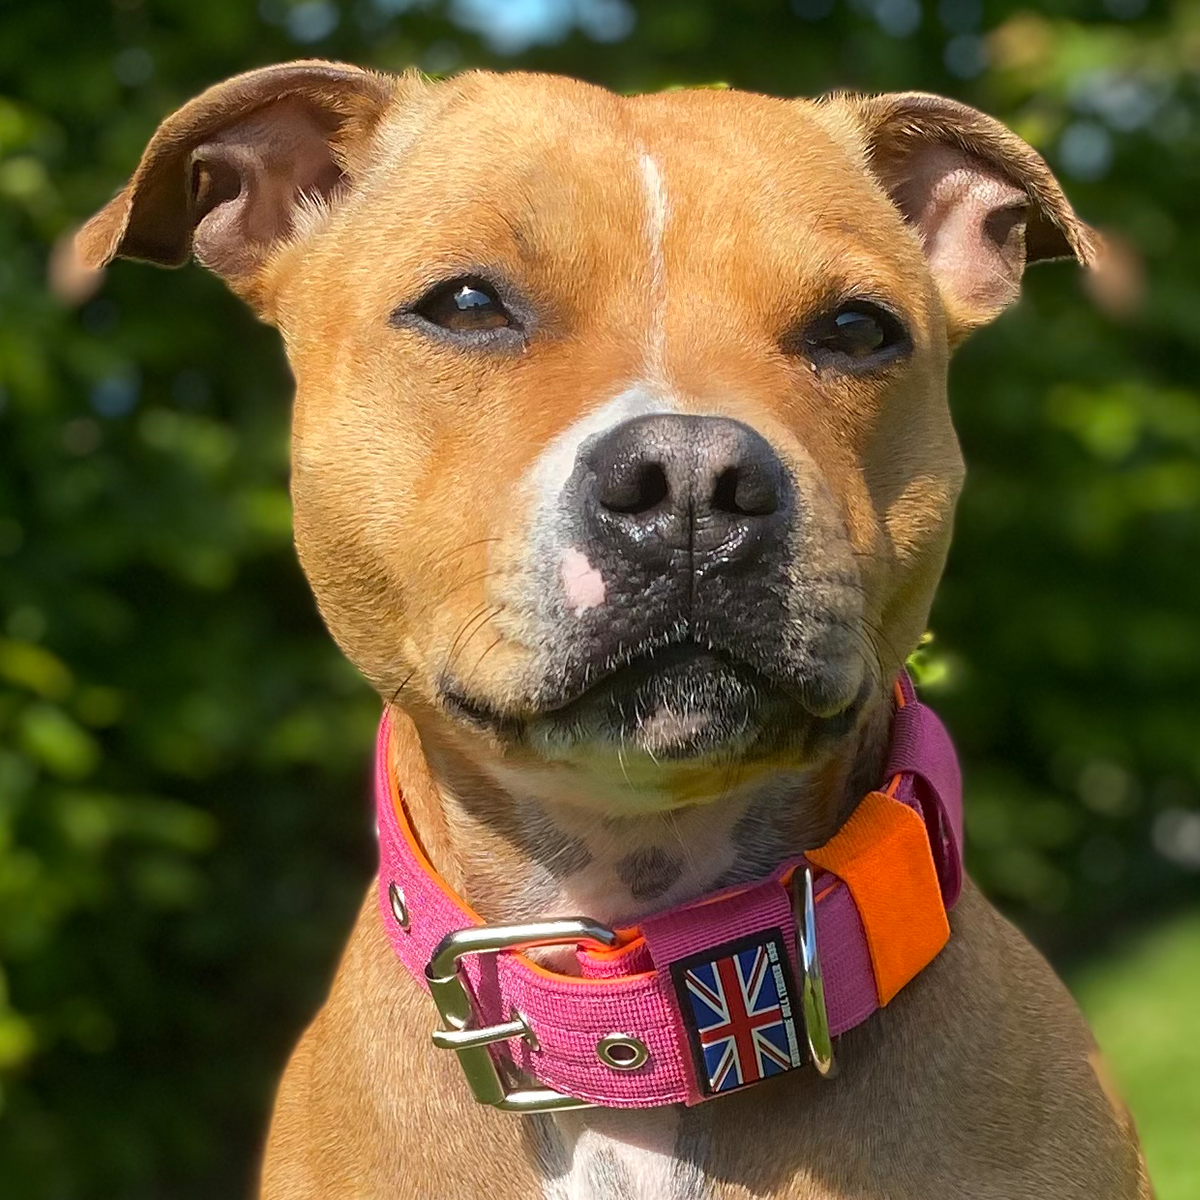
(983, 201)
(224, 175)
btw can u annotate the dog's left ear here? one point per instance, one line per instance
(983, 202)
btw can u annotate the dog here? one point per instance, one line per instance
(623, 470)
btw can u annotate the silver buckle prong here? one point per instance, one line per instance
(812, 985)
(457, 1007)
(468, 1039)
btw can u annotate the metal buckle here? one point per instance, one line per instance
(812, 986)
(457, 1007)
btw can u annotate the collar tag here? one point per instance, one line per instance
(732, 980)
(738, 1010)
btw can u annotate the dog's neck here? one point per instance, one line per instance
(516, 858)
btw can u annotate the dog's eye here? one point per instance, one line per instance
(857, 336)
(464, 306)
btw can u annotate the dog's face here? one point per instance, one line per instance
(622, 448)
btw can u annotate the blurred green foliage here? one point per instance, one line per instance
(183, 833)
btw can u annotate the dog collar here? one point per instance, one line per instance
(712, 995)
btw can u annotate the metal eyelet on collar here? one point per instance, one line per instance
(399, 905)
(622, 1052)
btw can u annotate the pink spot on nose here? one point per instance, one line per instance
(582, 583)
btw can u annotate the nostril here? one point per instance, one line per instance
(725, 493)
(745, 492)
(655, 477)
(638, 492)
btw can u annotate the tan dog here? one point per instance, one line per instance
(508, 302)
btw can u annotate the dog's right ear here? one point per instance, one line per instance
(222, 178)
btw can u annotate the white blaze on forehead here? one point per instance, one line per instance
(582, 583)
(656, 224)
(652, 393)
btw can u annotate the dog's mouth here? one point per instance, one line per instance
(683, 701)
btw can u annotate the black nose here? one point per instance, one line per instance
(704, 484)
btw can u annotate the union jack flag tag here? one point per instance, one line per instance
(737, 1007)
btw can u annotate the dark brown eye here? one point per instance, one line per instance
(857, 336)
(464, 306)
(855, 332)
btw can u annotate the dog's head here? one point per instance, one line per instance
(622, 447)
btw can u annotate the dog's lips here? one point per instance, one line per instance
(681, 701)
(622, 679)
(568, 693)
(624, 675)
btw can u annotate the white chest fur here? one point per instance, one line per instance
(600, 1154)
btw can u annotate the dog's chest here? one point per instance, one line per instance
(607, 1155)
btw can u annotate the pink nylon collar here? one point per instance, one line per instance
(635, 993)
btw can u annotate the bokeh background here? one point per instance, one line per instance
(183, 826)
